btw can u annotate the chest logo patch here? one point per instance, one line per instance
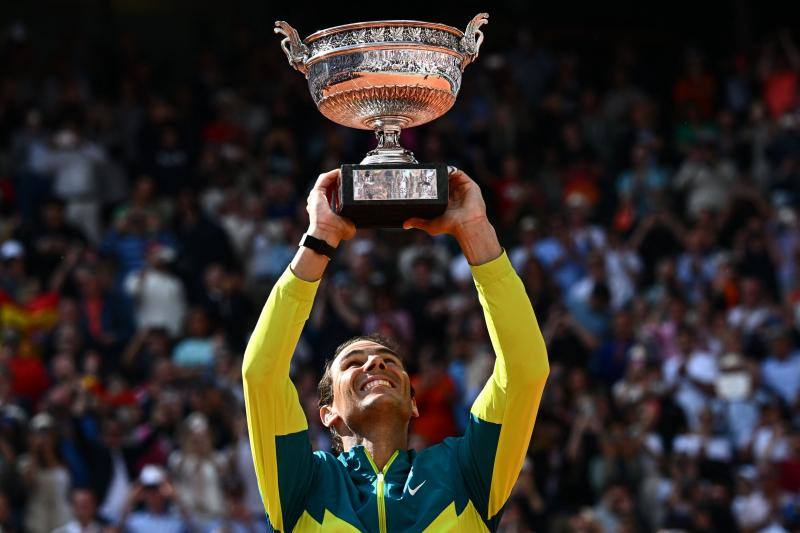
(414, 490)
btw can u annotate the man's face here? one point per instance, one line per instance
(153, 498)
(368, 381)
(83, 505)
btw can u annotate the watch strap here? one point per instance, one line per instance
(318, 245)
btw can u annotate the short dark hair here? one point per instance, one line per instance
(325, 385)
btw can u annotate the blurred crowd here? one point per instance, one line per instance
(144, 217)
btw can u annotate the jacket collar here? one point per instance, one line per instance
(358, 461)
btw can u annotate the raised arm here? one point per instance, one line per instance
(493, 448)
(502, 417)
(278, 428)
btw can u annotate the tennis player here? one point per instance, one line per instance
(376, 483)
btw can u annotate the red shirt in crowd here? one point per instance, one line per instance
(435, 404)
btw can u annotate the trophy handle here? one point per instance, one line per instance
(473, 37)
(296, 52)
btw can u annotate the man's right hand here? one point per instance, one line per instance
(323, 222)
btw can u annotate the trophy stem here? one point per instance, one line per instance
(389, 149)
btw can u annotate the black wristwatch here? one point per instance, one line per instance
(318, 245)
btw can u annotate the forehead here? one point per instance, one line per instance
(366, 346)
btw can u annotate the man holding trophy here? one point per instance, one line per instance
(366, 400)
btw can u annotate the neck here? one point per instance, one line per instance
(380, 441)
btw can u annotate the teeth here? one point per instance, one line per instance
(372, 384)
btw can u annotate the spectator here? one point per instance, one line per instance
(158, 513)
(736, 400)
(706, 179)
(753, 311)
(692, 374)
(750, 508)
(611, 358)
(615, 511)
(51, 238)
(46, 478)
(237, 518)
(84, 509)
(74, 162)
(434, 393)
(196, 351)
(641, 186)
(158, 294)
(113, 461)
(198, 472)
(105, 313)
(781, 370)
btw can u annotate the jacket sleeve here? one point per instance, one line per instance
(491, 453)
(277, 426)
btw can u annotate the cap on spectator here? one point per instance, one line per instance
(11, 250)
(42, 422)
(152, 476)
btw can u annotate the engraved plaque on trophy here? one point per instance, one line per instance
(385, 76)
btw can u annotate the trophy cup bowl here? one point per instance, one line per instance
(385, 76)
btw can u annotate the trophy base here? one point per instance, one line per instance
(386, 195)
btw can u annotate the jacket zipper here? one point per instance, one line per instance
(381, 505)
(380, 489)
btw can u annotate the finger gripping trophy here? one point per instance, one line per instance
(385, 76)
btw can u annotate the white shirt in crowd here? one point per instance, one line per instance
(768, 446)
(73, 169)
(750, 510)
(748, 319)
(622, 267)
(694, 445)
(118, 490)
(783, 377)
(76, 527)
(160, 299)
(701, 366)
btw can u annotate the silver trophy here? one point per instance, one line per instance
(385, 76)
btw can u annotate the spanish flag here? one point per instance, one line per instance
(37, 316)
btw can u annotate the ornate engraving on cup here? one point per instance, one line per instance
(384, 75)
(390, 184)
(389, 34)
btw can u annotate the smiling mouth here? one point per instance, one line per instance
(368, 386)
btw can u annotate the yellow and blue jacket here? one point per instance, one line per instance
(460, 484)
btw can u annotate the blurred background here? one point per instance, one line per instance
(641, 165)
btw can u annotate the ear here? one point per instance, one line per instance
(328, 415)
(414, 410)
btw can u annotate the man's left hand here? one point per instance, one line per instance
(465, 219)
(465, 208)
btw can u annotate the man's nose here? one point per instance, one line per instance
(375, 361)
